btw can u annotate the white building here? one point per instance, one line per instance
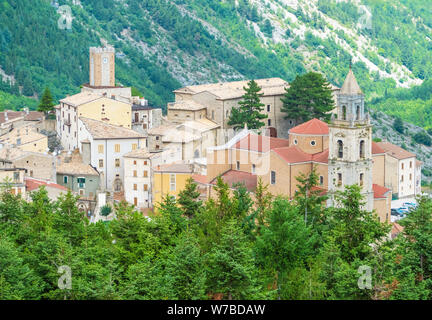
(145, 117)
(106, 145)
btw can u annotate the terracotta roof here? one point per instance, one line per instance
(10, 114)
(199, 178)
(185, 105)
(395, 151)
(81, 98)
(396, 229)
(322, 191)
(201, 125)
(232, 177)
(101, 130)
(33, 116)
(33, 184)
(350, 86)
(293, 154)
(380, 191)
(139, 153)
(74, 165)
(321, 157)
(254, 142)
(311, 127)
(376, 149)
(174, 168)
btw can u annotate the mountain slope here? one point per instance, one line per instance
(162, 45)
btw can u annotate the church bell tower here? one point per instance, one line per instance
(350, 143)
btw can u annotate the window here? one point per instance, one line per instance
(402, 178)
(253, 168)
(402, 166)
(343, 112)
(361, 179)
(135, 173)
(313, 143)
(362, 149)
(145, 187)
(65, 179)
(81, 182)
(135, 187)
(117, 163)
(135, 201)
(273, 177)
(295, 141)
(321, 180)
(340, 148)
(145, 162)
(135, 162)
(81, 192)
(145, 174)
(238, 165)
(339, 179)
(268, 108)
(358, 113)
(16, 176)
(410, 176)
(134, 146)
(213, 115)
(100, 163)
(101, 148)
(136, 117)
(410, 164)
(144, 126)
(269, 122)
(172, 182)
(117, 148)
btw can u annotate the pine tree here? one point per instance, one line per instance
(188, 199)
(46, 103)
(249, 110)
(309, 96)
(230, 264)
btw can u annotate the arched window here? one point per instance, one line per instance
(358, 112)
(340, 149)
(361, 179)
(344, 113)
(362, 149)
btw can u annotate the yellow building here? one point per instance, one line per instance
(169, 180)
(26, 139)
(92, 106)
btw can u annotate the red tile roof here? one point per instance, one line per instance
(376, 149)
(293, 154)
(199, 178)
(231, 177)
(33, 184)
(311, 127)
(396, 229)
(380, 191)
(321, 157)
(395, 151)
(254, 142)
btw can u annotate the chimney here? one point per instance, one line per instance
(86, 152)
(6, 116)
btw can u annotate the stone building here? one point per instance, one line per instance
(25, 138)
(145, 118)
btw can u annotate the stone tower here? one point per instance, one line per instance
(102, 67)
(350, 143)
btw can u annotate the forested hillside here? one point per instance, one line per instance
(163, 44)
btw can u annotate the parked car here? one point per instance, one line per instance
(410, 205)
(394, 212)
(404, 209)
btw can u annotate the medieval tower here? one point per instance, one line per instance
(350, 143)
(102, 67)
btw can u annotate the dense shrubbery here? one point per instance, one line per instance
(229, 247)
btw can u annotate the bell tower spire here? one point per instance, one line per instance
(350, 143)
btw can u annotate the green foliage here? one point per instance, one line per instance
(249, 111)
(398, 125)
(106, 210)
(423, 138)
(309, 96)
(188, 199)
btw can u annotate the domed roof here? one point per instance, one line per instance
(311, 127)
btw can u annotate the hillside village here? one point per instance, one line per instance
(114, 146)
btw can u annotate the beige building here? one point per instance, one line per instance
(92, 106)
(187, 141)
(102, 67)
(145, 118)
(15, 119)
(402, 171)
(38, 165)
(218, 99)
(13, 179)
(25, 138)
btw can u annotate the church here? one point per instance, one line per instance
(341, 152)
